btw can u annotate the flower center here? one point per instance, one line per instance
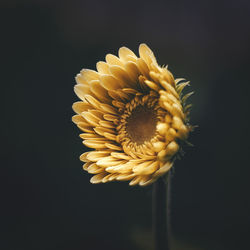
(141, 124)
(137, 125)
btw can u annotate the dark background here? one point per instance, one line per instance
(47, 201)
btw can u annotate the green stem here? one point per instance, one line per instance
(161, 213)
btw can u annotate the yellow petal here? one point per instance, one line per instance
(102, 68)
(143, 67)
(98, 113)
(125, 54)
(94, 169)
(111, 118)
(147, 181)
(151, 168)
(172, 148)
(112, 176)
(107, 178)
(152, 85)
(89, 136)
(177, 122)
(135, 181)
(133, 71)
(117, 104)
(121, 156)
(182, 132)
(131, 91)
(122, 168)
(170, 135)
(146, 53)
(113, 60)
(169, 97)
(155, 76)
(77, 118)
(99, 91)
(79, 107)
(168, 118)
(144, 180)
(109, 109)
(80, 80)
(97, 155)
(109, 161)
(125, 177)
(110, 136)
(110, 82)
(124, 96)
(164, 169)
(167, 86)
(81, 91)
(113, 146)
(176, 111)
(83, 157)
(90, 118)
(119, 73)
(168, 76)
(158, 146)
(162, 128)
(84, 126)
(98, 178)
(131, 59)
(89, 75)
(94, 144)
(86, 165)
(140, 167)
(107, 124)
(91, 100)
(101, 130)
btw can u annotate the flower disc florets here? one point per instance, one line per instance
(133, 115)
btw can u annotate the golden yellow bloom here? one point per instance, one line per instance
(133, 115)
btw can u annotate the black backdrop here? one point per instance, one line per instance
(47, 201)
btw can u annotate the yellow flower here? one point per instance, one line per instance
(133, 115)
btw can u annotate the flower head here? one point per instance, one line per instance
(132, 113)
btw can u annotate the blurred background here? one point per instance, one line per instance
(47, 201)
